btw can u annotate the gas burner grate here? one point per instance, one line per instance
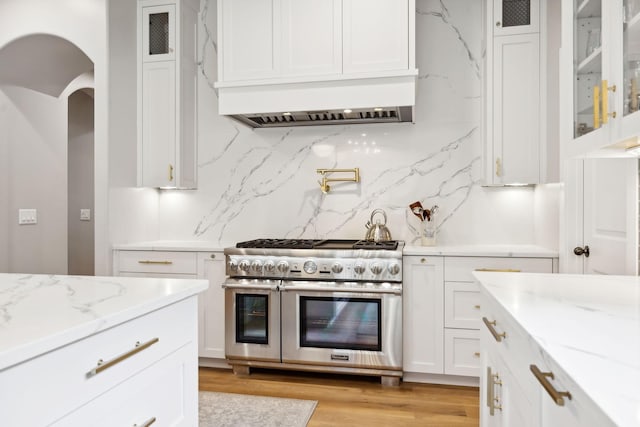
(279, 243)
(390, 245)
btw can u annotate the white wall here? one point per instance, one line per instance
(263, 183)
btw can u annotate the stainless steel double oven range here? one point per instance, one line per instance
(316, 305)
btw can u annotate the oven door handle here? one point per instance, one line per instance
(251, 286)
(291, 287)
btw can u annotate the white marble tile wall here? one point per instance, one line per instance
(263, 183)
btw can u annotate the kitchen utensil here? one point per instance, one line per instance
(377, 232)
(428, 213)
(417, 209)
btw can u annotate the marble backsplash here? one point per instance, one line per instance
(263, 183)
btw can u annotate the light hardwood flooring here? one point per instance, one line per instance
(354, 400)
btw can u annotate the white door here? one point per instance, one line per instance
(610, 212)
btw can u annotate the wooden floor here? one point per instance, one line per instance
(354, 400)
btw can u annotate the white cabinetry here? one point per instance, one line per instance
(186, 264)
(423, 314)
(167, 52)
(600, 77)
(515, 113)
(511, 394)
(149, 370)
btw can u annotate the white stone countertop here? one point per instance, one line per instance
(453, 250)
(523, 251)
(588, 325)
(39, 313)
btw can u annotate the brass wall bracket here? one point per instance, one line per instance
(324, 183)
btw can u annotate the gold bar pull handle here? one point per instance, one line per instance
(170, 172)
(499, 270)
(492, 401)
(146, 423)
(102, 365)
(596, 107)
(605, 101)
(498, 167)
(556, 396)
(490, 325)
(146, 261)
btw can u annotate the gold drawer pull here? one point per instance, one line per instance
(493, 402)
(155, 262)
(146, 423)
(499, 270)
(490, 326)
(102, 365)
(556, 395)
(476, 354)
(477, 306)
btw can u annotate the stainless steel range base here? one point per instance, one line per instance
(387, 377)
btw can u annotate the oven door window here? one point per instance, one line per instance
(252, 318)
(344, 323)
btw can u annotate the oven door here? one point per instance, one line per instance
(358, 326)
(252, 319)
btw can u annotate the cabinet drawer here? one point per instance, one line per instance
(157, 262)
(61, 380)
(462, 305)
(459, 269)
(462, 352)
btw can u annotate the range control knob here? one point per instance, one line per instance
(269, 266)
(358, 268)
(283, 266)
(376, 268)
(393, 269)
(256, 266)
(233, 265)
(337, 268)
(244, 265)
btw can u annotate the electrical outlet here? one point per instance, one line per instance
(27, 216)
(85, 214)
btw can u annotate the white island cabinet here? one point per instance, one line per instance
(98, 351)
(560, 350)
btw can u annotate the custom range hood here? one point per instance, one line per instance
(380, 99)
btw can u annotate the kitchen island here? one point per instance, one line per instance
(80, 350)
(583, 329)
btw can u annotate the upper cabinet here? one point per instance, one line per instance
(167, 64)
(518, 123)
(601, 77)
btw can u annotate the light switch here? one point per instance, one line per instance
(85, 214)
(27, 216)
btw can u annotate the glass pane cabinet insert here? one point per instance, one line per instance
(587, 56)
(516, 13)
(631, 56)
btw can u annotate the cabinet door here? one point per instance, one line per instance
(311, 37)
(516, 110)
(375, 35)
(158, 33)
(628, 36)
(211, 266)
(158, 124)
(250, 45)
(516, 17)
(423, 325)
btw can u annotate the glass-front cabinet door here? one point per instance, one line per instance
(630, 68)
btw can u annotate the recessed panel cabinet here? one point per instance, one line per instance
(167, 63)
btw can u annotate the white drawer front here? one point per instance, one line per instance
(462, 305)
(60, 380)
(157, 262)
(460, 269)
(462, 352)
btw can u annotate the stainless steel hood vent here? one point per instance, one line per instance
(328, 117)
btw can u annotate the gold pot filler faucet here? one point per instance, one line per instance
(324, 184)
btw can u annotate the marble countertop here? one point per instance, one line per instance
(528, 251)
(452, 250)
(588, 325)
(39, 313)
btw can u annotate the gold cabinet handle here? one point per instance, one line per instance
(170, 172)
(492, 401)
(102, 365)
(500, 270)
(477, 306)
(596, 107)
(146, 261)
(146, 423)
(476, 354)
(423, 260)
(490, 325)
(498, 167)
(556, 396)
(605, 101)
